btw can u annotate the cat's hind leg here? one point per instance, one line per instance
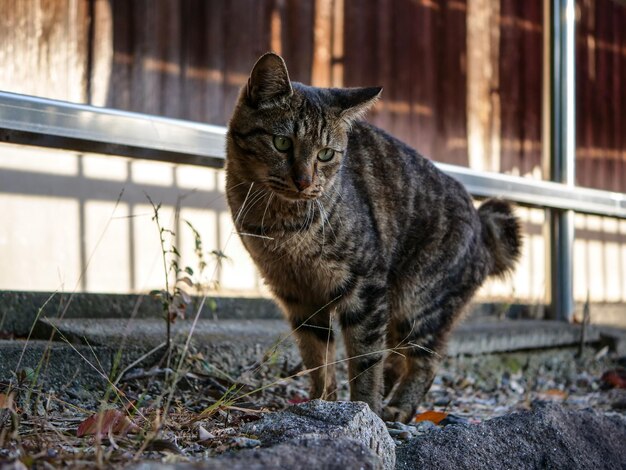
(423, 314)
(423, 332)
(417, 333)
(420, 366)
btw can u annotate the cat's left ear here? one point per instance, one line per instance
(355, 102)
(269, 81)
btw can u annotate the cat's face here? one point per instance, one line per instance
(288, 137)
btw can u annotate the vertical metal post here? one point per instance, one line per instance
(560, 153)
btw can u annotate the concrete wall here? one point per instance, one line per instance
(64, 228)
(85, 222)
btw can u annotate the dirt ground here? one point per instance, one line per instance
(158, 414)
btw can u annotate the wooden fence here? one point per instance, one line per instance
(601, 95)
(188, 59)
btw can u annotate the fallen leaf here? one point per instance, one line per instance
(297, 399)
(433, 416)
(7, 401)
(614, 378)
(552, 394)
(108, 421)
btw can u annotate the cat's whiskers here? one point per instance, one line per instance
(325, 216)
(301, 233)
(269, 200)
(243, 204)
(322, 219)
(256, 198)
(254, 235)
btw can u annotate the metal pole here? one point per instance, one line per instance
(561, 158)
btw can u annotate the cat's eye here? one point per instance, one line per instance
(282, 143)
(325, 155)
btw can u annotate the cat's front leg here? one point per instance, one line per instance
(315, 338)
(364, 327)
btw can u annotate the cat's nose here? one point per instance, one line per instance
(302, 181)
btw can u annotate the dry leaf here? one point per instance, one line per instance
(614, 378)
(108, 421)
(434, 416)
(187, 281)
(553, 394)
(297, 399)
(7, 401)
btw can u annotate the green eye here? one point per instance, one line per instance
(282, 143)
(325, 155)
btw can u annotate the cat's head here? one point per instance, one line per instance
(288, 137)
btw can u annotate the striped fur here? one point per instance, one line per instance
(379, 239)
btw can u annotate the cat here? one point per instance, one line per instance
(346, 222)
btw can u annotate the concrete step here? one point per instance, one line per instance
(87, 347)
(468, 338)
(19, 310)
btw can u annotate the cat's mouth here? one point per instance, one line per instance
(294, 195)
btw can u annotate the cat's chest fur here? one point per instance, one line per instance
(296, 252)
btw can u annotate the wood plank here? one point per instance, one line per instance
(583, 103)
(455, 81)
(402, 59)
(617, 33)
(509, 86)
(297, 37)
(247, 36)
(601, 113)
(532, 73)
(202, 61)
(381, 116)
(43, 48)
(620, 102)
(119, 92)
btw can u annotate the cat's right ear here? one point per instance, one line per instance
(269, 82)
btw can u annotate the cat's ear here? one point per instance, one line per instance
(354, 102)
(268, 82)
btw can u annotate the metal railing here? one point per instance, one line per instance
(49, 123)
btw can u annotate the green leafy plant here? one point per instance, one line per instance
(174, 298)
(202, 283)
(181, 281)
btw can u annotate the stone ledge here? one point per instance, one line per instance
(470, 338)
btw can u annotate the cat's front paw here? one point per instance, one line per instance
(392, 413)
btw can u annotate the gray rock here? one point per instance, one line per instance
(547, 437)
(305, 453)
(426, 427)
(245, 443)
(319, 419)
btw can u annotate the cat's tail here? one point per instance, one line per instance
(501, 234)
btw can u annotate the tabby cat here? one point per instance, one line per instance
(346, 222)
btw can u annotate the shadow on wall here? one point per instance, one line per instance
(84, 222)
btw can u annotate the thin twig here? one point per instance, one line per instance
(137, 361)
